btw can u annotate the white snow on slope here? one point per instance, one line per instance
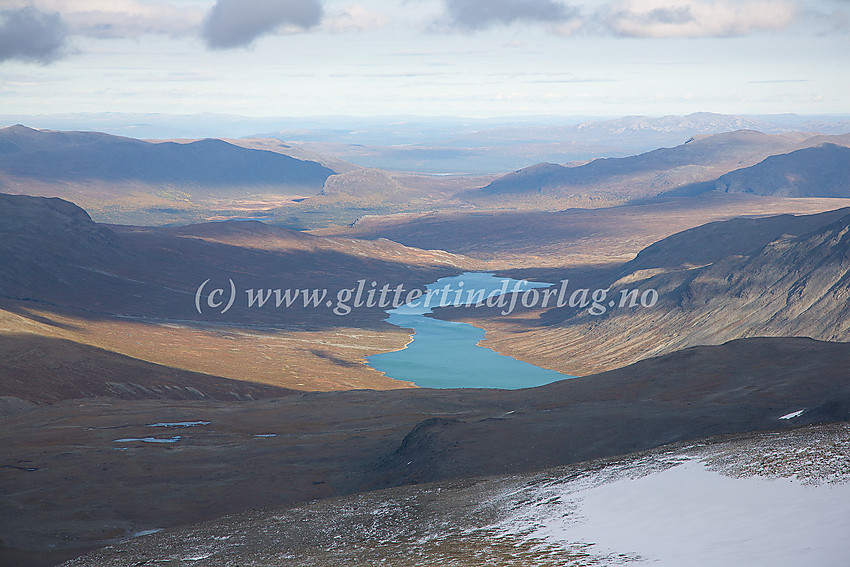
(689, 516)
(179, 424)
(174, 439)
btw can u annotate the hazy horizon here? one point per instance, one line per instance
(407, 129)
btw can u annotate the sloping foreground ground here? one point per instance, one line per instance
(82, 474)
(773, 499)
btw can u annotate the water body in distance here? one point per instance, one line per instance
(445, 354)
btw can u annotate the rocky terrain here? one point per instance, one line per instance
(85, 473)
(772, 499)
(762, 277)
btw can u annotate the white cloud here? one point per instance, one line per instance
(354, 18)
(568, 28)
(696, 18)
(121, 18)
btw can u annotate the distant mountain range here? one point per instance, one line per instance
(448, 144)
(132, 181)
(793, 165)
(490, 146)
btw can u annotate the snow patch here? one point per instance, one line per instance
(146, 532)
(196, 557)
(174, 439)
(179, 424)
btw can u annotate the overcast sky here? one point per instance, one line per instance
(476, 58)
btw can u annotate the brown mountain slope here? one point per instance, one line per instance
(366, 439)
(793, 286)
(133, 291)
(46, 370)
(570, 237)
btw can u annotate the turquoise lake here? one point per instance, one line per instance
(445, 354)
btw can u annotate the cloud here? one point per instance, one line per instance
(827, 22)
(120, 18)
(479, 14)
(31, 35)
(125, 18)
(696, 18)
(237, 23)
(354, 18)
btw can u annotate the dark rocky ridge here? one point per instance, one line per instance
(793, 286)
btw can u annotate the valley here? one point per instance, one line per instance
(446, 283)
(133, 401)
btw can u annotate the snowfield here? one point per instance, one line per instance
(687, 515)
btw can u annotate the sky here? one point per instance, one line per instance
(472, 58)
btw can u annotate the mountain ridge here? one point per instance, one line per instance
(702, 162)
(78, 156)
(784, 285)
(820, 171)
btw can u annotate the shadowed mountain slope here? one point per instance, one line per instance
(711, 390)
(57, 256)
(295, 319)
(210, 166)
(822, 171)
(711, 242)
